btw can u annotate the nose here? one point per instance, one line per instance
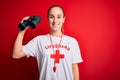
(55, 20)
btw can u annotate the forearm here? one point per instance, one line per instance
(17, 49)
(75, 71)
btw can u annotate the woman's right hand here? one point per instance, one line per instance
(24, 18)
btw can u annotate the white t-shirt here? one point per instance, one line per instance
(41, 48)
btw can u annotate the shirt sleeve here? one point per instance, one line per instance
(76, 54)
(30, 48)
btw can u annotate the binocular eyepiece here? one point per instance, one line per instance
(32, 22)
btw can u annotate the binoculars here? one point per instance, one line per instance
(32, 22)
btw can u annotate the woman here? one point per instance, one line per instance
(57, 54)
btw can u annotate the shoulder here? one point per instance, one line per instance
(70, 38)
(41, 37)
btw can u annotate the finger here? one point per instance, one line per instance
(25, 18)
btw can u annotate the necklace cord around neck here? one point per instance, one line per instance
(51, 41)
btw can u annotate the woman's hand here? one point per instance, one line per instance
(24, 18)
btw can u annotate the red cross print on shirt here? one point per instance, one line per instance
(57, 57)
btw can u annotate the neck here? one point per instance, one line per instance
(56, 33)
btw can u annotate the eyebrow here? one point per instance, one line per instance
(57, 15)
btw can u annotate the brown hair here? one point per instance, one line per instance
(62, 11)
(56, 6)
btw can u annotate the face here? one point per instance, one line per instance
(56, 18)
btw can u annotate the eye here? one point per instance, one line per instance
(59, 17)
(50, 16)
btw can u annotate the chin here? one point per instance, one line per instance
(55, 27)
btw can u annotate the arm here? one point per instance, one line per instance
(17, 49)
(75, 70)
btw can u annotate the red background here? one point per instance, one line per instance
(94, 23)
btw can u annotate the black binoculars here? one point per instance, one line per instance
(32, 22)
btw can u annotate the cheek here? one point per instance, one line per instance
(50, 21)
(62, 20)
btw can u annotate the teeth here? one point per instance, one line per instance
(55, 24)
